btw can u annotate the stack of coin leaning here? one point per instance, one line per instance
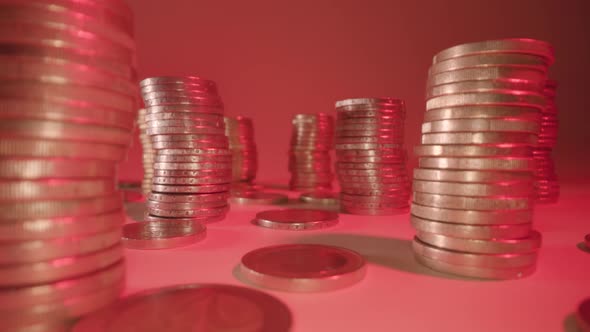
(68, 111)
(147, 153)
(474, 188)
(309, 156)
(370, 155)
(192, 164)
(546, 182)
(240, 132)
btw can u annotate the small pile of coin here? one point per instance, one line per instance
(474, 188)
(371, 158)
(240, 132)
(192, 165)
(68, 97)
(309, 157)
(546, 182)
(148, 153)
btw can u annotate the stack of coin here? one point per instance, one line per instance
(309, 157)
(148, 153)
(240, 132)
(192, 162)
(546, 182)
(371, 158)
(68, 110)
(474, 188)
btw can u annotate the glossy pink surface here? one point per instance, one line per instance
(397, 293)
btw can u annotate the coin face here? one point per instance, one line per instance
(303, 267)
(162, 234)
(206, 307)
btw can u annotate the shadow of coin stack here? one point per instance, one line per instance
(147, 153)
(474, 188)
(192, 164)
(546, 183)
(240, 132)
(312, 140)
(68, 110)
(370, 156)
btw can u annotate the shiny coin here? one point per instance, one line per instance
(369, 101)
(54, 228)
(491, 59)
(523, 189)
(500, 164)
(472, 217)
(504, 46)
(164, 180)
(61, 208)
(522, 74)
(15, 147)
(319, 197)
(478, 232)
(499, 261)
(502, 86)
(192, 213)
(480, 125)
(487, 98)
(514, 139)
(475, 272)
(55, 189)
(25, 168)
(197, 307)
(472, 151)
(470, 176)
(296, 219)
(204, 189)
(483, 112)
(185, 206)
(192, 166)
(496, 246)
(256, 197)
(162, 235)
(473, 203)
(303, 267)
(58, 269)
(187, 198)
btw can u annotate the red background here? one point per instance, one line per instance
(274, 59)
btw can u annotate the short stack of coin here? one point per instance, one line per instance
(309, 157)
(148, 153)
(68, 97)
(192, 164)
(240, 132)
(474, 189)
(546, 182)
(370, 156)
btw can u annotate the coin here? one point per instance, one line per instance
(43, 209)
(514, 139)
(296, 219)
(487, 98)
(522, 74)
(19, 190)
(475, 272)
(207, 307)
(483, 112)
(319, 197)
(470, 176)
(188, 198)
(259, 198)
(496, 246)
(500, 164)
(202, 189)
(485, 217)
(58, 269)
(472, 151)
(522, 189)
(480, 125)
(189, 213)
(508, 46)
(465, 231)
(162, 235)
(500, 261)
(473, 203)
(309, 268)
(490, 59)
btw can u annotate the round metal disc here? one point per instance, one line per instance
(320, 197)
(255, 197)
(162, 234)
(303, 267)
(192, 307)
(296, 219)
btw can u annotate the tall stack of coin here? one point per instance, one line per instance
(371, 158)
(240, 132)
(546, 182)
(474, 188)
(68, 111)
(148, 153)
(309, 157)
(192, 164)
